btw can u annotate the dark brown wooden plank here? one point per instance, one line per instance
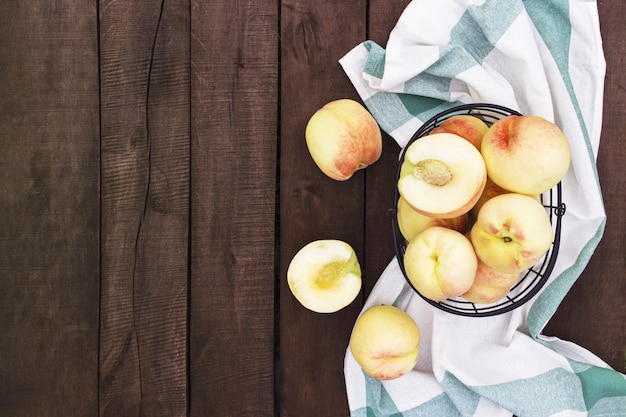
(145, 207)
(314, 36)
(379, 189)
(234, 130)
(49, 213)
(380, 177)
(593, 314)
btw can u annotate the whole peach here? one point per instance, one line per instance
(525, 154)
(440, 263)
(411, 223)
(343, 137)
(469, 127)
(511, 233)
(385, 342)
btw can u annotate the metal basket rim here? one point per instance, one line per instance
(549, 259)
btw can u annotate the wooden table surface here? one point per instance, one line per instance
(155, 184)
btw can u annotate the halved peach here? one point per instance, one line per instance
(442, 175)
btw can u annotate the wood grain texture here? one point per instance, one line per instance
(380, 177)
(145, 207)
(234, 55)
(314, 35)
(145, 235)
(49, 209)
(593, 314)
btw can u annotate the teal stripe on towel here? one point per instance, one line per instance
(436, 406)
(552, 22)
(471, 40)
(375, 64)
(379, 105)
(609, 407)
(439, 405)
(380, 404)
(378, 398)
(551, 18)
(599, 383)
(464, 398)
(476, 30)
(474, 37)
(552, 391)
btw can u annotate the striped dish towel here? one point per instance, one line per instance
(540, 57)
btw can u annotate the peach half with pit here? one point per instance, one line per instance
(325, 275)
(442, 175)
(385, 342)
(343, 137)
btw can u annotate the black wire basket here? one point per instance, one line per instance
(531, 280)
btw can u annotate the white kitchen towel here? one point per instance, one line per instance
(540, 57)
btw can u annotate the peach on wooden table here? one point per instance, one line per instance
(385, 342)
(343, 137)
(325, 275)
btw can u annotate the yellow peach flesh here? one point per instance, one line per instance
(442, 175)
